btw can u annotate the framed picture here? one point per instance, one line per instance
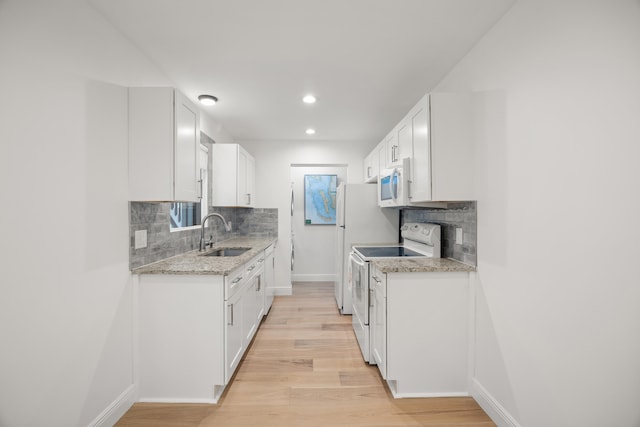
(320, 199)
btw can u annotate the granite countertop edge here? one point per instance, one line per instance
(194, 263)
(421, 265)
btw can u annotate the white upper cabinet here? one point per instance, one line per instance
(437, 137)
(233, 176)
(442, 158)
(382, 155)
(399, 144)
(164, 134)
(371, 165)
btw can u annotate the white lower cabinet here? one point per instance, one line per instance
(194, 329)
(234, 338)
(419, 332)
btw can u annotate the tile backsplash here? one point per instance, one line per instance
(456, 215)
(163, 243)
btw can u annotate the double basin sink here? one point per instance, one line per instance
(226, 252)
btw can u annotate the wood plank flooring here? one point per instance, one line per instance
(304, 368)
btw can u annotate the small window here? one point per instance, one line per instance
(189, 214)
(185, 214)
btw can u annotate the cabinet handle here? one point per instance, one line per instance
(260, 260)
(251, 268)
(201, 181)
(248, 198)
(368, 171)
(237, 279)
(230, 315)
(259, 284)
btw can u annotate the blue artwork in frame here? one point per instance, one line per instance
(320, 199)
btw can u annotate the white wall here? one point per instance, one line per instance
(273, 182)
(214, 129)
(558, 314)
(65, 297)
(314, 244)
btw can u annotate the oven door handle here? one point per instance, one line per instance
(356, 259)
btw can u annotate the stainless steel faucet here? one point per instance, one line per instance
(227, 227)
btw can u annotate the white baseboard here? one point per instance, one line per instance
(177, 400)
(313, 277)
(116, 409)
(282, 291)
(424, 395)
(491, 406)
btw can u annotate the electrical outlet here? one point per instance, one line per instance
(458, 236)
(140, 239)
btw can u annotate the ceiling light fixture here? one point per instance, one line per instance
(207, 99)
(309, 99)
(310, 131)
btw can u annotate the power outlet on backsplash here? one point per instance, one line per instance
(140, 239)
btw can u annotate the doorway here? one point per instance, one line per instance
(312, 245)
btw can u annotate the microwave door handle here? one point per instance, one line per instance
(394, 187)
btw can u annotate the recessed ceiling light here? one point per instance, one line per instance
(207, 99)
(310, 131)
(309, 99)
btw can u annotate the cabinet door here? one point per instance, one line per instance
(251, 180)
(234, 336)
(269, 281)
(259, 295)
(405, 141)
(246, 178)
(378, 325)
(391, 143)
(420, 189)
(249, 309)
(367, 168)
(186, 150)
(382, 156)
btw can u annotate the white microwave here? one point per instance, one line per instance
(393, 186)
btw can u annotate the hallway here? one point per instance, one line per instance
(304, 368)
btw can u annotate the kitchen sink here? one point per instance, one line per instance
(226, 252)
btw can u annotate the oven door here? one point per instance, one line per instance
(360, 296)
(360, 287)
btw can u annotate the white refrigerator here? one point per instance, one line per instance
(359, 220)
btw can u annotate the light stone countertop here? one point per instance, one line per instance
(420, 265)
(194, 262)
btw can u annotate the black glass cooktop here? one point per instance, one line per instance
(386, 251)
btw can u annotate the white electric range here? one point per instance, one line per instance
(421, 240)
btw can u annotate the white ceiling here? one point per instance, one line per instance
(367, 61)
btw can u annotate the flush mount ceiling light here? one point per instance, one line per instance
(309, 99)
(310, 131)
(207, 99)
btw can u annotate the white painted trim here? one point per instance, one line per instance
(116, 409)
(471, 341)
(415, 395)
(177, 400)
(282, 291)
(313, 277)
(491, 406)
(134, 279)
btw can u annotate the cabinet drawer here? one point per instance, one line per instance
(234, 281)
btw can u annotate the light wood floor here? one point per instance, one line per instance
(304, 368)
